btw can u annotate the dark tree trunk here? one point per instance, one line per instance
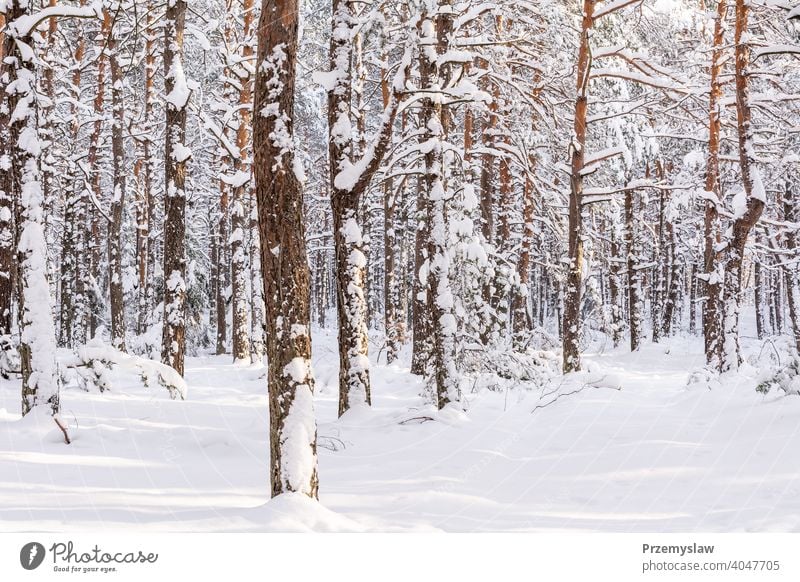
(435, 74)
(614, 287)
(674, 286)
(659, 272)
(634, 272)
(392, 323)
(144, 172)
(8, 184)
(420, 321)
(758, 299)
(279, 193)
(175, 159)
(221, 300)
(116, 294)
(790, 214)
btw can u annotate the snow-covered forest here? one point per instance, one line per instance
(438, 264)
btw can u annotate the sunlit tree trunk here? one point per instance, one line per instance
(571, 329)
(730, 354)
(712, 321)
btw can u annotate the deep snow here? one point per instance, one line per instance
(635, 450)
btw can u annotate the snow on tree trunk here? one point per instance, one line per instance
(659, 273)
(351, 171)
(239, 182)
(240, 331)
(522, 319)
(144, 170)
(758, 296)
(93, 242)
(394, 315)
(257, 290)
(712, 277)
(176, 155)
(615, 285)
(293, 435)
(421, 323)
(223, 275)
(747, 214)
(791, 214)
(19, 161)
(634, 273)
(116, 293)
(674, 285)
(351, 262)
(434, 42)
(8, 180)
(571, 332)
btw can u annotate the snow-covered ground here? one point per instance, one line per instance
(634, 450)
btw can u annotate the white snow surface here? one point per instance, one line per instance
(637, 450)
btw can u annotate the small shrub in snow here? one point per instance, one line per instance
(94, 362)
(703, 377)
(785, 377)
(501, 369)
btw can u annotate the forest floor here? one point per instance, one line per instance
(633, 449)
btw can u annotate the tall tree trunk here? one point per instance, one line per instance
(293, 434)
(614, 287)
(571, 329)
(674, 286)
(351, 262)
(730, 356)
(349, 181)
(116, 294)
(21, 180)
(522, 317)
(176, 155)
(634, 273)
(776, 295)
(73, 199)
(434, 74)
(7, 227)
(257, 345)
(240, 218)
(712, 320)
(421, 324)
(221, 300)
(693, 284)
(144, 165)
(758, 299)
(659, 270)
(790, 215)
(393, 320)
(93, 243)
